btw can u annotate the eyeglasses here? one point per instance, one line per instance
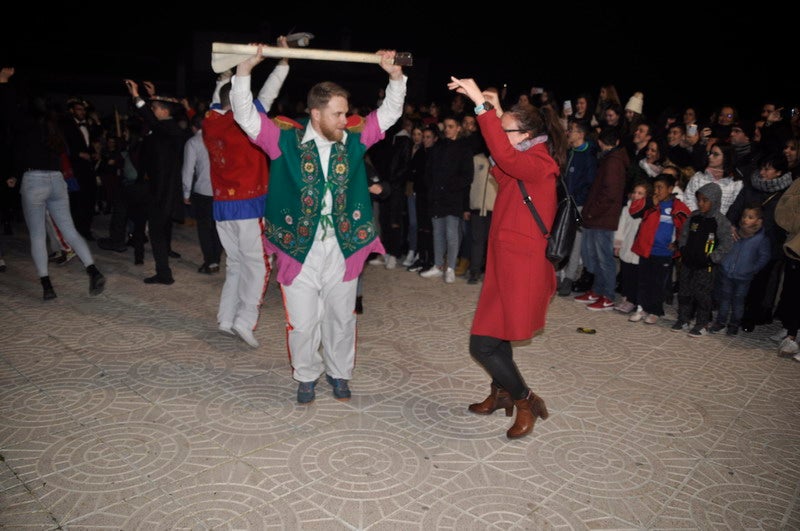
(515, 130)
(714, 154)
(727, 115)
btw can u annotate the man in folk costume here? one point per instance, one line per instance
(319, 218)
(239, 179)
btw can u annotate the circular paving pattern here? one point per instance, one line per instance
(82, 397)
(242, 412)
(582, 346)
(626, 408)
(24, 409)
(594, 466)
(443, 412)
(772, 451)
(504, 507)
(152, 450)
(689, 374)
(163, 374)
(35, 360)
(131, 339)
(358, 462)
(375, 375)
(738, 507)
(214, 506)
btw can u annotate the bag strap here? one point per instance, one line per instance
(529, 202)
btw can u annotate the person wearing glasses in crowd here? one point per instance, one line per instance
(720, 170)
(529, 145)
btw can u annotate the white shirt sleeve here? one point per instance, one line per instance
(189, 162)
(272, 86)
(244, 111)
(391, 108)
(691, 188)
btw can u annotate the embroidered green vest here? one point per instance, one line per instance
(297, 188)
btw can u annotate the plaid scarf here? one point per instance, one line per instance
(771, 185)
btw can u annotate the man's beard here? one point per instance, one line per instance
(331, 133)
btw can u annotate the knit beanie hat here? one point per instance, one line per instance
(635, 103)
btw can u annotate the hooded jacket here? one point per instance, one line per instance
(706, 238)
(747, 257)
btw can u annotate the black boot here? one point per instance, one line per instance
(584, 283)
(97, 281)
(47, 289)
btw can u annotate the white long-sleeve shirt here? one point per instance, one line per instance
(195, 162)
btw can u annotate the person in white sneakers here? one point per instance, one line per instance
(449, 172)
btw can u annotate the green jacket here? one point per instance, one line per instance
(297, 188)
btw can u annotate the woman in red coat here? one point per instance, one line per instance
(526, 144)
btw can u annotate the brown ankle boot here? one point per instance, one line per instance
(527, 410)
(498, 399)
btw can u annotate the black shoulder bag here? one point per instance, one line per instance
(565, 224)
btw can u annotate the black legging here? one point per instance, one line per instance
(496, 356)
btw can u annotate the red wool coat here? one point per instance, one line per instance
(519, 281)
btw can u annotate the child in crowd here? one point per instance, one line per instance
(662, 219)
(751, 252)
(623, 240)
(704, 241)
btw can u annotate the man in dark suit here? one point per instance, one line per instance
(77, 135)
(160, 165)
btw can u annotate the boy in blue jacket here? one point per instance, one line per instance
(751, 252)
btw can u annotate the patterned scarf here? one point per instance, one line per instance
(771, 185)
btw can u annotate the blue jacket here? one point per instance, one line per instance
(748, 256)
(581, 171)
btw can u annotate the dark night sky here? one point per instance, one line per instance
(674, 57)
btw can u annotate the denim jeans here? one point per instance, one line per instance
(732, 295)
(44, 192)
(597, 250)
(574, 263)
(446, 237)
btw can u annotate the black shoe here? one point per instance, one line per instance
(155, 279)
(474, 278)
(748, 325)
(110, 245)
(97, 283)
(173, 254)
(359, 305)
(139, 260)
(208, 269)
(416, 267)
(47, 289)
(564, 287)
(584, 283)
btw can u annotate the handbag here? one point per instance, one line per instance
(561, 235)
